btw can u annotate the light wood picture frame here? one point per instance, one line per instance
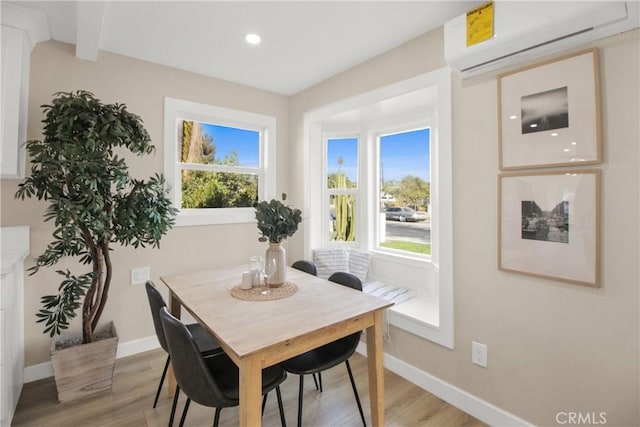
(549, 114)
(549, 225)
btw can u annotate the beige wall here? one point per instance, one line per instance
(552, 346)
(142, 86)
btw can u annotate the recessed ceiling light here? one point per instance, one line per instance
(253, 38)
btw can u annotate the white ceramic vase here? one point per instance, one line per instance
(277, 251)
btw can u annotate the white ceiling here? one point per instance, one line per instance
(303, 42)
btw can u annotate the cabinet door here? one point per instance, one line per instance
(16, 57)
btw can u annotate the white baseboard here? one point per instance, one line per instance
(45, 370)
(137, 346)
(472, 405)
(37, 372)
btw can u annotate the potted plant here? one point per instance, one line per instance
(276, 222)
(95, 204)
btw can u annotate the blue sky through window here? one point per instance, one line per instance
(246, 143)
(405, 153)
(347, 148)
(401, 154)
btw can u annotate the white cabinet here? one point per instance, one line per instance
(22, 29)
(14, 249)
(16, 54)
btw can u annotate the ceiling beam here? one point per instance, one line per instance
(89, 16)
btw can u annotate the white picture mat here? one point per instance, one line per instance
(577, 144)
(575, 261)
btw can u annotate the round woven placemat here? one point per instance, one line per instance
(254, 294)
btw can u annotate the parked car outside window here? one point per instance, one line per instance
(403, 213)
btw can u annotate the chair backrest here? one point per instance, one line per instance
(347, 345)
(346, 279)
(306, 266)
(191, 371)
(156, 302)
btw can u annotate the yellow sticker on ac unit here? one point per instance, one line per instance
(480, 24)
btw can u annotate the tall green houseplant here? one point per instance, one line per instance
(93, 201)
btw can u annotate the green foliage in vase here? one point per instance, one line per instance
(93, 201)
(276, 221)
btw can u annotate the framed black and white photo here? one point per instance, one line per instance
(549, 225)
(549, 114)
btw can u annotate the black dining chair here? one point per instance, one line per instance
(211, 381)
(309, 268)
(206, 344)
(329, 355)
(306, 266)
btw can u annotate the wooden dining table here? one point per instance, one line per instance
(261, 333)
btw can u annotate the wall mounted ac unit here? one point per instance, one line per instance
(528, 30)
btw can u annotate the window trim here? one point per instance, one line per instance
(176, 109)
(440, 266)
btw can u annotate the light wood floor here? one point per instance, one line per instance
(130, 401)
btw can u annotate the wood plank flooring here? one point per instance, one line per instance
(130, 401)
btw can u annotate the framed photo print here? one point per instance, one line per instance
(549, 225)
(549, 114)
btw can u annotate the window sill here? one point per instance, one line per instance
(401, 257)
(191, 217)
(420, 315)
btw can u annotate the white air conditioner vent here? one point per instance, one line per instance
(527, 30)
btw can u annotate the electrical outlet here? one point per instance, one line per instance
(140, 275)
(479, 354)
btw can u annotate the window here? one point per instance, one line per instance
(216, 161)
(219, 166)
(342, 188)
(391, 150)
(404, 173)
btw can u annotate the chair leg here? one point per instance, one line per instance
(300, 401)
(216, 417)
(164, 373)
(184, 412)
(320, 380)
(173, 406)
(315, 381)
(264, 402)
(355, 392)
(280, 407)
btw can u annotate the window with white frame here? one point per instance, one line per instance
(401, 136)
(403, 171)
(342, 188)
(216, 161)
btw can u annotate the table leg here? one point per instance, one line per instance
(174, 309)
(376, 369)
(250, 392)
